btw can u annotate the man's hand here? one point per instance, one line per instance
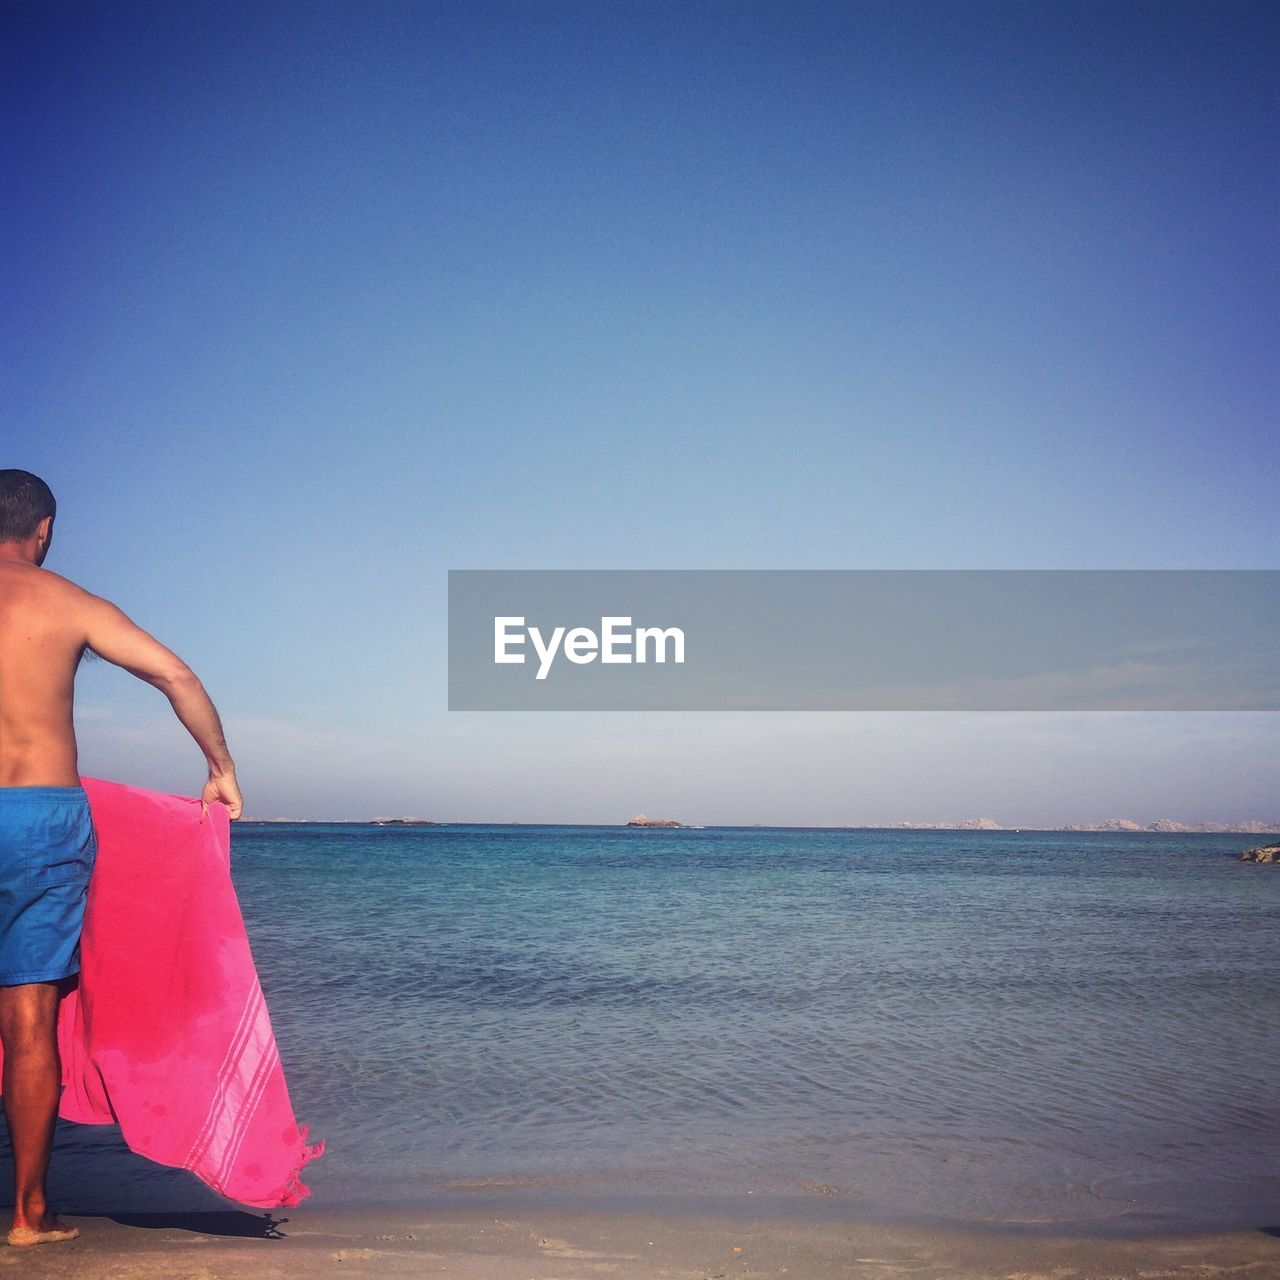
(223, 787)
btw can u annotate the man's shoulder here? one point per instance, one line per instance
(56, 582)
(68, 593)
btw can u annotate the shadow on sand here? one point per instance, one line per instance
(218, 1222)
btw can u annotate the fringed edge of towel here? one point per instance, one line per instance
(295, 1190)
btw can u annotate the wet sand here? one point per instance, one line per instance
(480, 1244)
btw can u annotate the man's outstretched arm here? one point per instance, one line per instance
(115, 637)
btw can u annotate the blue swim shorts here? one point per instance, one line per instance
(47, 851)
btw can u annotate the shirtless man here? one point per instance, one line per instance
(47, 843)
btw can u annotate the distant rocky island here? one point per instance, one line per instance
(401, 822)
(641, 821)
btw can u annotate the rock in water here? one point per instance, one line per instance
(1263, 853)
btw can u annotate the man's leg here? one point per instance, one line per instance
(32, 1086)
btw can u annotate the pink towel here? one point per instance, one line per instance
(167, 1034)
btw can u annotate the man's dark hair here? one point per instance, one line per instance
(25, 500)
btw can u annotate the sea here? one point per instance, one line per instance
(1040, 1031)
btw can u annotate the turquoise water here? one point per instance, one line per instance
(1047, 1029)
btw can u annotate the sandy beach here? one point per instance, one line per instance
(481, 1244)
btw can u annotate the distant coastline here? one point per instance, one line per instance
(1163, 826)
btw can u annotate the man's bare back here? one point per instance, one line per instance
(42, 635)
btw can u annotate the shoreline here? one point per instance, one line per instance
(483, 1242)
(817, 1205)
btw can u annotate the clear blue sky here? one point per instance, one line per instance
(305, 304)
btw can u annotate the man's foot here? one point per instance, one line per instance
(48, 1230)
